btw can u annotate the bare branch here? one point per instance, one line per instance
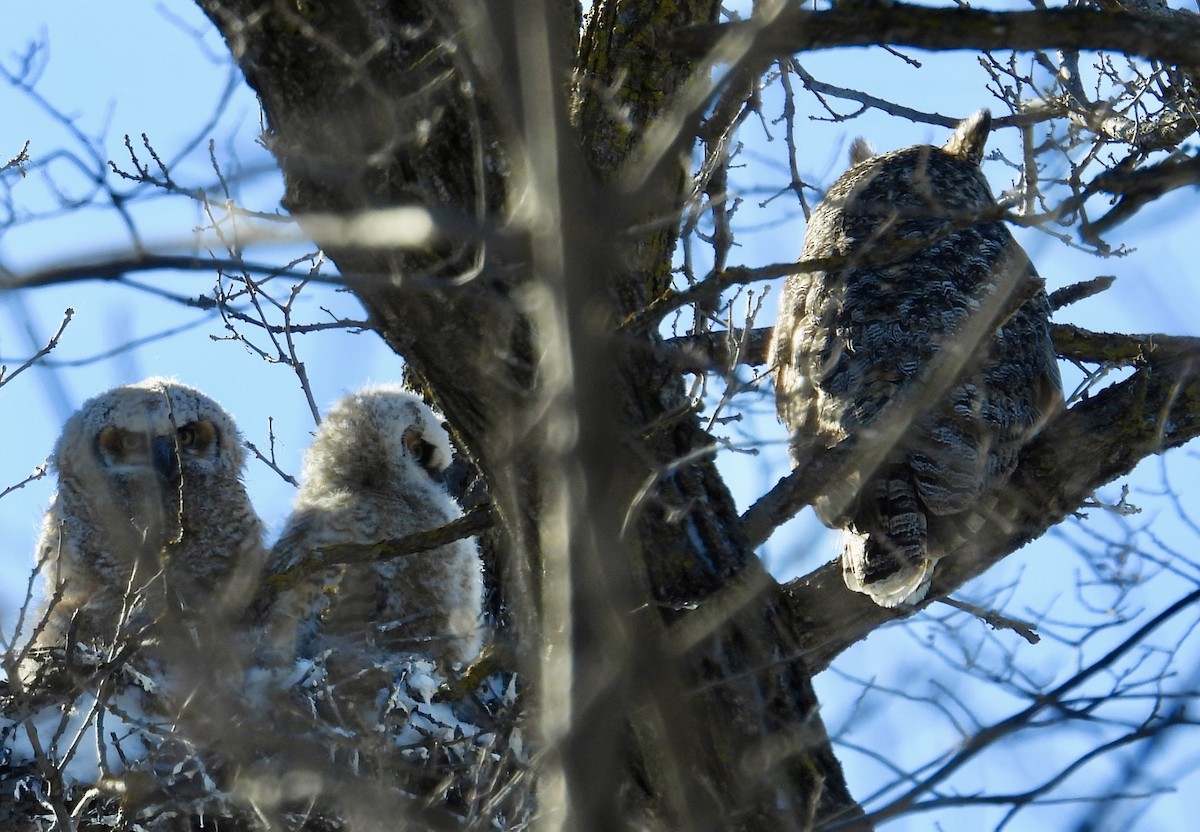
(713, 285)
(1121, 350)
(119, 267)
(1137, 187)
(37, 474)
(995, 620)
(990, 734)
(1172, 39)
(269, 461)
(44, 351)
(1079, 291)
(19, 161)
(472, 523)
(709, 351)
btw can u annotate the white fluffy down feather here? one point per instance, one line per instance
(369, 477)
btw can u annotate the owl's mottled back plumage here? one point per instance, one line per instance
(150, 516)
(369, 478)
(919, 271)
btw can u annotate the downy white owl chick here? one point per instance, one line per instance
(370, 477)
(923, 275)
(150, 518)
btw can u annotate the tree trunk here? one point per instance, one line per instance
(602, 477)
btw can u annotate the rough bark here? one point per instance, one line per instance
(383, 105)
(342, 92)
(1157, 32)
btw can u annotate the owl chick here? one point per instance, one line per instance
(150, 518)
(920, 275)
(370, 476)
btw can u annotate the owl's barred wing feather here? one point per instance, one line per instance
(930, 283)
(888, 559)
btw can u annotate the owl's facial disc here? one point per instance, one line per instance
(134, 450)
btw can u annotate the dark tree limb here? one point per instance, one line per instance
(1173, 39)
(337, 87)
(1082, 290)
(1123, 350)
(715, 350)
(472, 523)
(342, 87)
(1136, 188)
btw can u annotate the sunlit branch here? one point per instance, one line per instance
(1122, 350)
(37, 474)
(713, 286)
(716, 351)
(19, 160)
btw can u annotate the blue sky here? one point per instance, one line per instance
(163, 75)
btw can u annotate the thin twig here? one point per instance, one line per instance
(995, 620)
(270, 461)
(50, 345)
(37, 474)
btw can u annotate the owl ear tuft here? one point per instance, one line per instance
(860, 151)
(970, 137)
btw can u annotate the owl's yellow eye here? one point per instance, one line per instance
(110, 440)
(420, 450)
(196, 436)
(121, 444)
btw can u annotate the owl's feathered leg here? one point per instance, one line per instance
(884, 552)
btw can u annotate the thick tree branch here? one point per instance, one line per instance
(716, 350)
(1139, 187)
(121, 266)
(493, 351)
(1081, 290)
(1173, 39)
(1122, 350)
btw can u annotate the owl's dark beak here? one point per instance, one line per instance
(166, 458)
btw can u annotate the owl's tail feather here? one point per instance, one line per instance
(885, 554)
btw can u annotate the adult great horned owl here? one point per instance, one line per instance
(150, 518)
(920, 282)
(369, 478)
